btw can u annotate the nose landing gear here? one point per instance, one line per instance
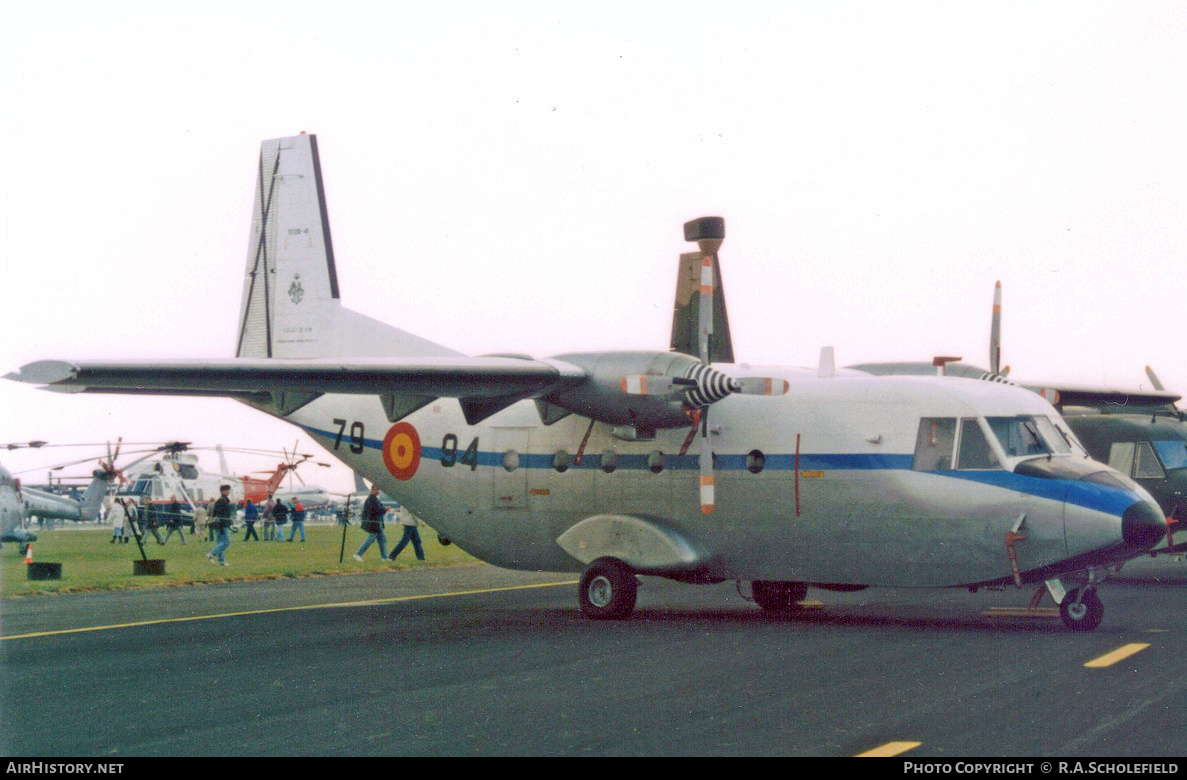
(1081, 609)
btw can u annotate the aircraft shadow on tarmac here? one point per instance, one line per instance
(530, 622)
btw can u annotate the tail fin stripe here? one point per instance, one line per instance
(325, 219)
(262, 253)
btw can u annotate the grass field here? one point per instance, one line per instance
(90, 562)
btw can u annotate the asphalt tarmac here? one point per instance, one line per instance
(479, 661)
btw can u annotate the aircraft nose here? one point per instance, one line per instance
(1142, 525)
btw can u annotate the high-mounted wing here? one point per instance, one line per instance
(483, 385)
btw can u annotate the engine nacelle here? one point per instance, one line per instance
(604, 398)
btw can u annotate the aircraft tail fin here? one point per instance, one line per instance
(686, 317)
(92, 498)
(290, 306)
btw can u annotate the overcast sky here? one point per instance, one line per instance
(513, 177)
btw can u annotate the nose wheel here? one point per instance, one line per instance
(1081, 610)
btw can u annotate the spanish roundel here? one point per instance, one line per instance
(401, 451)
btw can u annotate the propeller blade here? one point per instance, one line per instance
(705, 325)
(1149, 372)
(995, 332)
(762, 385)
(708, 499)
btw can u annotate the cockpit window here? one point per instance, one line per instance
(1146, 465)
(1019, 436)
(1066, 435)
(975, 452)
(1059, 443)
(1173, 453)
(933, 447)
(1136, 459)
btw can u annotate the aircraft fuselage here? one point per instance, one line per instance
(818, 486)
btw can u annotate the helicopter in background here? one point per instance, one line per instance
(19, 504)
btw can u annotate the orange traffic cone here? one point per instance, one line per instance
(29, 554)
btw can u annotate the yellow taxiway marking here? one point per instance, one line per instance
(889, 749)
(365, 603)
(1120, 654)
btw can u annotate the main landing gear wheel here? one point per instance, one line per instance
(608, 590)
(1086, 615)
(778, 598)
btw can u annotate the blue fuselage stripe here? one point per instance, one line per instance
(1102, 498)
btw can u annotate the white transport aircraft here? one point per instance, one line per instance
(582, 462)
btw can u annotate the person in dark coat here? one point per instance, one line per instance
(372, 523)
(220, 522)
(173, 521)
(280, 513)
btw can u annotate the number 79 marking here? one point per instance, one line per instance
(356, 435)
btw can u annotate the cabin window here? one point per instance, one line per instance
(1172, 453)
(755, 461)
(934, 445)
(655, 462)
(561, 461)
(510, 460)
(975, 452)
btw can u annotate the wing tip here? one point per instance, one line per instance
(43, 372)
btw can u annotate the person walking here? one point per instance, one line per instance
(173, 521)
(220, 523)
(410, 522)
(115, 516)
(372, 523)
(201, 519)
(211, 527)
(250, 515)
(298, 518)
(151, 521)
(269, 519)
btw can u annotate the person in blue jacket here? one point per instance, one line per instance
(250, 515)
